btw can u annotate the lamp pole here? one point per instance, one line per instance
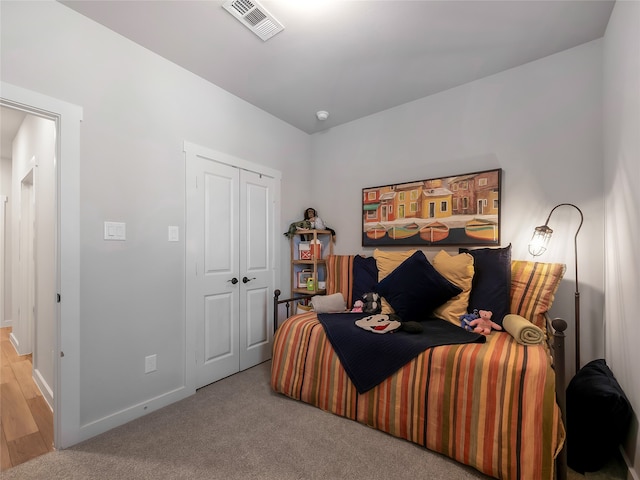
(545, 233)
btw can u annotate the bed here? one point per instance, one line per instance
(491, 405)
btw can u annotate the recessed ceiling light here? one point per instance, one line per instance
(322, 115)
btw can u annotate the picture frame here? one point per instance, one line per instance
(303, 276)
(461, 210)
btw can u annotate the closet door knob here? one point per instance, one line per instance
(247, 280)
(234, 280)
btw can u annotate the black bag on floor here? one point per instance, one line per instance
(598, 416)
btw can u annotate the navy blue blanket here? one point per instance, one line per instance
(369, 358)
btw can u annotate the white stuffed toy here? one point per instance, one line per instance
(378, 323)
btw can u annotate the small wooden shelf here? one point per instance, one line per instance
(305, 291)
(314, 267)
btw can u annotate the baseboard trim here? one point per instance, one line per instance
(44, 388)
(631, 472)
(14, 341)
(116, 419)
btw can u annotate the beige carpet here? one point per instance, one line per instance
(615, 469)
(238, 428)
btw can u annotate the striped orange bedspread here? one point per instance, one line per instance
(491, 406)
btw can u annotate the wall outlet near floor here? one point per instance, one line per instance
(150, 363)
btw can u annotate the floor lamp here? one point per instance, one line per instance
(538, 246)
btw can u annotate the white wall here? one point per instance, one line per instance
(622, 204)
(137, 110)
(541, 123)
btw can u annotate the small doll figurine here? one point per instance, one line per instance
(311, 215)
(311, 221)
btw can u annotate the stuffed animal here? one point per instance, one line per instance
(311, 215)
(383, 323)
(379, 323)
(358, 305)
(295, 226)
(479, 322)
(467, 318)
(372, 303)
(311, 220)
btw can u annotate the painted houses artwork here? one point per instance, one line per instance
(460, 210)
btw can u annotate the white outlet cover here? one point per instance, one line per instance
(150, 363)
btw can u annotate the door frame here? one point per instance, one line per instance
(67, 117)
(193, 150)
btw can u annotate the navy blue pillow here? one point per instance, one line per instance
(365, 276)
(491, 285)
(415, 288)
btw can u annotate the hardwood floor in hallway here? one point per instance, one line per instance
(26, 421)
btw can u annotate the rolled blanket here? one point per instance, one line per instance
(525, 332)
(334, 303)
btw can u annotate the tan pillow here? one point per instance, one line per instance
(387, 262)
(533, 288)
(458, 269)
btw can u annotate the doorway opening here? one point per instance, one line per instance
(66, 223)
(29, 310)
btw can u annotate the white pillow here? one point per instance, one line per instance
(333, 303)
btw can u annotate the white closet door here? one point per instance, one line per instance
(230, 258)
(256, 234)
(213, 287)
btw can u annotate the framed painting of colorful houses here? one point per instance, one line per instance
(457, 210)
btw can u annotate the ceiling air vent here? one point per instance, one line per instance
(255, 17)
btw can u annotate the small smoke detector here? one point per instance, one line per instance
(322, 115)
(255, 17)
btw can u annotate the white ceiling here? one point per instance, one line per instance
(352, 58)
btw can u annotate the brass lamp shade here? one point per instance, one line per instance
(540, 240)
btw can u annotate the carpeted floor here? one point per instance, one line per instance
(238, 428)
(615, 469)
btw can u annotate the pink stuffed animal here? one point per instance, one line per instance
(358, 305)
(483, 324)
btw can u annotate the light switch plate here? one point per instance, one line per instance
(174, 233)
(115, 231)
